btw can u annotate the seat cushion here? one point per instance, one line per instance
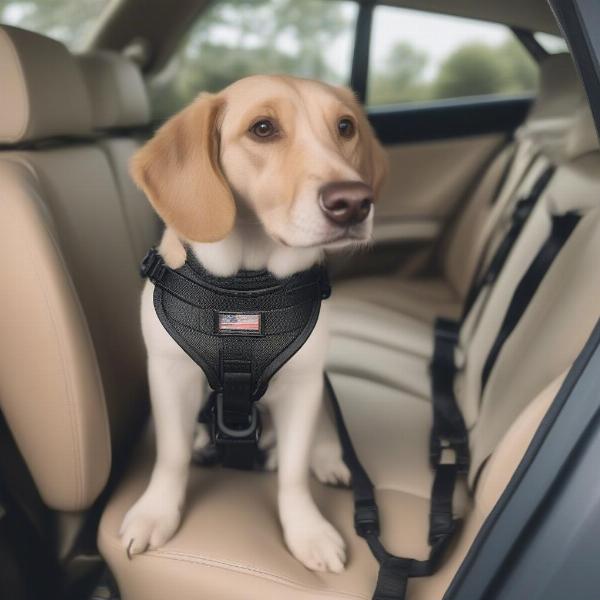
(225, 546)
(423, 299)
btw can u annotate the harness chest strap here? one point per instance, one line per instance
(240, 330)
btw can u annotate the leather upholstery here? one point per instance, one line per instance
(550, 134)
(43, 94)
(119, 100)
(72, 389)
(116, 88)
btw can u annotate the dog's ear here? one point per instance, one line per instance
(374, 160)
(178, 170)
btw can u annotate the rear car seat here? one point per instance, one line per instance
(365, 317)
(69, 307)
(121, 115)
(225, 545)
(365, 306)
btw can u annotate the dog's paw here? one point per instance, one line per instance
(149, 524)
(318, 546)
(328, 466)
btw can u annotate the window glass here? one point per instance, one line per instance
(235, 38)
(417, 56)
(69, 21)
(553, 44)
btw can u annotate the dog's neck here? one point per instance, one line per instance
(249, 247)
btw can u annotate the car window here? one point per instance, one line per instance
(417, 56)
(232, 39)
(70, 21)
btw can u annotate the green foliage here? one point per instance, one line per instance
(473, 69)
(477, 69)
(401, 79)
(237, 38)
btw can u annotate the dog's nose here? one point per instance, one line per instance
(346, 202)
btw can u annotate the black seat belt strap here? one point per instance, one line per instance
(448, 430)
(520, 216)
(394, 571)
(446, 331)
(562, 227)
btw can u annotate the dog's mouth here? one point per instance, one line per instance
(337, 241)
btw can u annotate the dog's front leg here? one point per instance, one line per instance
(177, 387)
(294, 400)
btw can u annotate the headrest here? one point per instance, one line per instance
(560, 90)
(583, 136)
(43, 94)
(116, 88)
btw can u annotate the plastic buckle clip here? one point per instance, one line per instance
(366, 518)
(459, 445)
(152, 265)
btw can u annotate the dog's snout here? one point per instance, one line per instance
(346, 202)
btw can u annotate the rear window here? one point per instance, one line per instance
(423, 57)
(69, 21)
(235, 38)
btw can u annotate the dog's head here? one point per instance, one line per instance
(301, 154)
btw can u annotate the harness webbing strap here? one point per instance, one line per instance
(562, 227)
(448, 430)
(394, 571)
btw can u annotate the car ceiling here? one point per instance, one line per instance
(160, 23)
(535, 15)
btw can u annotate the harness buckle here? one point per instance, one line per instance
(366, 518)
(152, 265)
(459, 445)
(227, 434)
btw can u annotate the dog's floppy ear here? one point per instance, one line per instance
(178, 170)
(374, 162)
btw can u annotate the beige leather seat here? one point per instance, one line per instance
(120, 113)
(371, 315)
(365, 306)
(72, 366)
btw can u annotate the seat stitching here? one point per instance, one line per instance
(210, 562)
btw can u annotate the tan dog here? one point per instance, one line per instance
(267, 174)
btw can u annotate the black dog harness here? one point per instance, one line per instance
(240, 330)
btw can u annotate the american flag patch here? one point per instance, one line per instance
(239, 322)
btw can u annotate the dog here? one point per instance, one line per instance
(268, 174)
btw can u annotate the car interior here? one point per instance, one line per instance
(76, 440)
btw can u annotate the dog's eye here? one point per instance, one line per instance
(263, 129)
(346, 127)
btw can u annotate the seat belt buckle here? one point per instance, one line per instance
(440, 445)
(366, 518)
(152, 265)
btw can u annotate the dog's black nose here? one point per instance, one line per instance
(346, 202)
